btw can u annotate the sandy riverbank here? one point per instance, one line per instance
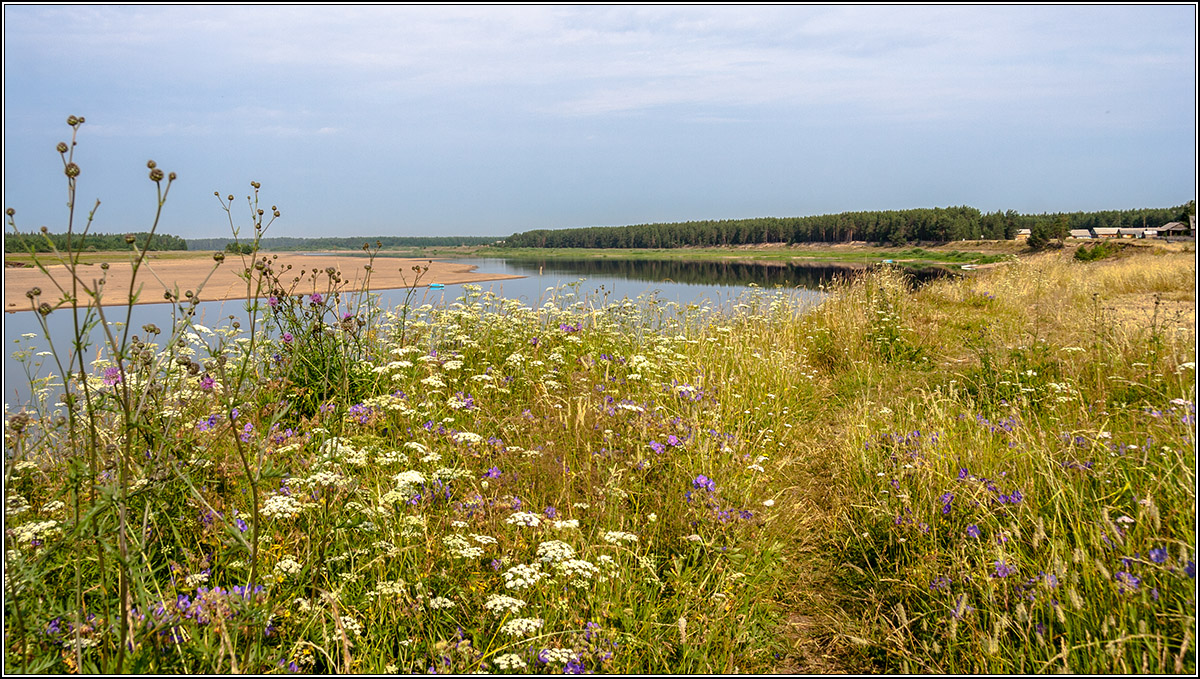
(157, 276)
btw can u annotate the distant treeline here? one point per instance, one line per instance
(889, 226)
(348, 243)
(40, 242)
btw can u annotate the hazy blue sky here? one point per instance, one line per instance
(478, 120)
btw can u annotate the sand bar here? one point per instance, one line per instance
(157, 276)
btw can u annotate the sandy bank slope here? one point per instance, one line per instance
(189, 274)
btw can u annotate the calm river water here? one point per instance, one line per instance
(715, 283)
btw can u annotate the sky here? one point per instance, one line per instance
(489, 120)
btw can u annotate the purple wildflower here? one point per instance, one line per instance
(272, 301)
(287, 338)
(673, 440)
(317, 299)
(1158, 555)
(551, 512)
(206, 383)
(947, 499)
(1003, 570)
(657, 447)
(702, 481)
(1126, 579)
(493, 473)
(112, 376)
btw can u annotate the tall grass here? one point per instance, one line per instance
(1029, 505)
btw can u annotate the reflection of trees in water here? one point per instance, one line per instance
(704, 272)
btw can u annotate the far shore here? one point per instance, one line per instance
(184, 274)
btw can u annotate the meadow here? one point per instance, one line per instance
(988, 474)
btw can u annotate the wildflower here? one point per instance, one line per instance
(1125, 579)
(502, 604)
(549, 656)
(946, 500)
(510, 661)
(673, 440)
(288, 566)
(408, 483)
(555, 550)
(524, 519)
(1003, 570)
(522, 576)
(287, 338)
(616, 537)
(973, 531)
(577, 571)
(440, 602)
(521, 627)
(112, 376)
(1158, 555)
(272, 301)
(704, 482)
(206, 383)
(317, 299)
(492, 473)
(281, 506)
(657, 447)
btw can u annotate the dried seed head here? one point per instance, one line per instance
(156, 175)
(44, 309)
(72, 121)
(71, 170)
(151, 164)
(218, 257)
(104, 266)
(172, 177)
(230, 198)
(129, 238)
(10, 212)
(62, 147)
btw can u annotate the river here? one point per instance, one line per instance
(715, 283)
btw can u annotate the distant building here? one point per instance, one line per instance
(1022, 233)
(1174, 229)
(1107, 232)
(1081, 233)
(1131, 233)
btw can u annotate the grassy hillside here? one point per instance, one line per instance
(988, 474)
